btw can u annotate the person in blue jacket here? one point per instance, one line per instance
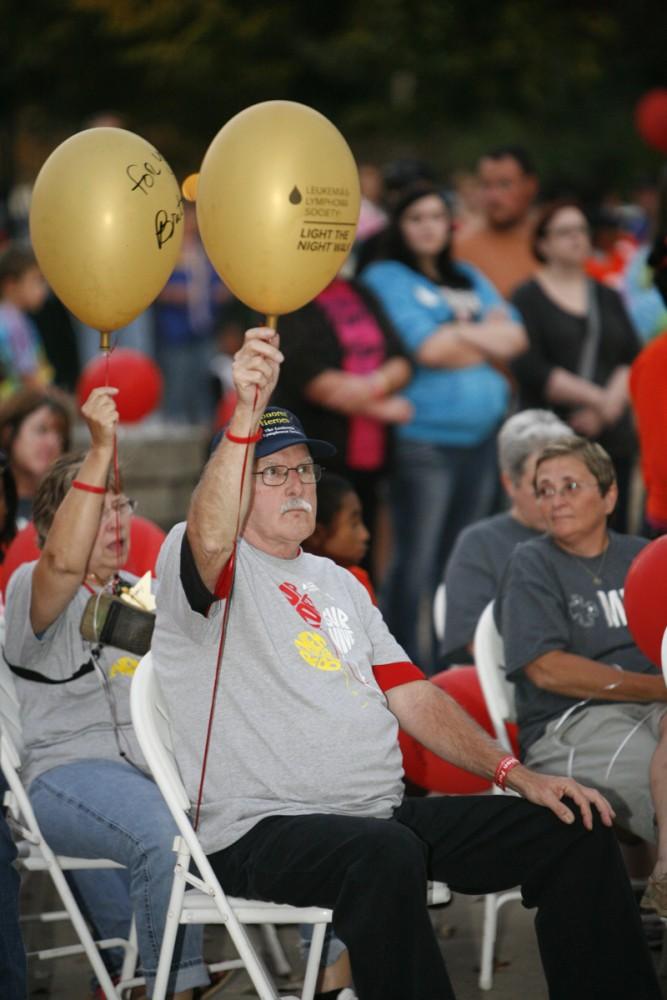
(459, 333)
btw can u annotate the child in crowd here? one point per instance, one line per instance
(340, 533)
(22, 291)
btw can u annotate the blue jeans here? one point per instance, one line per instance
(332, 948)
(108, 809)
(12, 954)
(434, 492)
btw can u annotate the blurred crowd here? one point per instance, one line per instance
(538, 299)
(479, 323)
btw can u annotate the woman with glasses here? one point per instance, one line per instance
(589, 703)
(83, 766)
(582, 342)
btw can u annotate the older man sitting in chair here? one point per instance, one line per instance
(303, 798)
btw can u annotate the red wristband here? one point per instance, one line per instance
(88, 487)
(503, 768)
(247, 440)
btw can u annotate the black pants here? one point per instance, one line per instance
(373, 874)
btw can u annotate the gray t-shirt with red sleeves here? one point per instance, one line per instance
(300, 724)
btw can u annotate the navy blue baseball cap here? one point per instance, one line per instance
(280, 429)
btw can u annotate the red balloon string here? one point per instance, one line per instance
(223, 630)
(116, 475)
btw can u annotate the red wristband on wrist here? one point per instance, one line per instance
(247, 440)
(503, 768)
(88, 487)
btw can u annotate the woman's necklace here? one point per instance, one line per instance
(595, 574)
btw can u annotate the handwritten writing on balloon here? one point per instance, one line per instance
(323, 229)
(166, 223)
(143, 181)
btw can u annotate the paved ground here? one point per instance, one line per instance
(518, 976)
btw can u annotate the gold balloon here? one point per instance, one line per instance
(278, 204)
(106, 224)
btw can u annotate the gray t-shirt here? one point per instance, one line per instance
(548, 601)
(300, 725)
(474, 570)
(72, 721)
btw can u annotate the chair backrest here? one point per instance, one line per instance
(439, 611)
(490, 663)
(11, 734)
(11, 751)
(10, 709)
(150, 718)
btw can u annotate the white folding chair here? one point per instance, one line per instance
(35, 855)
(499, 698)
(206, 902)
(439, 611)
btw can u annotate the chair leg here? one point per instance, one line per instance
(255, 968)
(274, 950)
(131, 958)
(170, 928)
(313, 963)
(488, 941)
(82, 931)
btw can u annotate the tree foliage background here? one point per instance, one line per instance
(439, 79)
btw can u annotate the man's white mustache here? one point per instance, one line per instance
(296, 503)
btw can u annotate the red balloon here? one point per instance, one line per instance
(426, 769)
(645, 598)
(651, 118)
(136, 376)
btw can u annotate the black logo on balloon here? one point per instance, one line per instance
(295, 196)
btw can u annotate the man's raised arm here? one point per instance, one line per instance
(214, 509)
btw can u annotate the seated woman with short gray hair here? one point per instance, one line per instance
(589, 703)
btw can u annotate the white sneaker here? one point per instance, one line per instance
(347, 994)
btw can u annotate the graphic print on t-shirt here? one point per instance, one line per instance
(302, 604)
(585, 612)
(314, 650)
(335, 627)
(125, 665)
(337, 623)
(613, 607)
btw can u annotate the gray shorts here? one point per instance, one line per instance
(608, 747)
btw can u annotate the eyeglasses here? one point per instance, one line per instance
(124, 505)
(276, 475)
(578, 229)
(572, 489)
